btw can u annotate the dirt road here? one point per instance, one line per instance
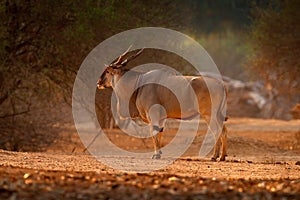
(261, 164)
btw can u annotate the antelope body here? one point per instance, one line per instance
(149, 97)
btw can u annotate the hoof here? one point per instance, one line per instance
(213, 159)
(159, 152)
(156, 156)
(222, 158)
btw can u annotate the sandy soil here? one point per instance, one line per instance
(263, 163)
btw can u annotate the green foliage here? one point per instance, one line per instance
(228, 50)
(94, 18)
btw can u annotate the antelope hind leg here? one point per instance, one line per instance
(224, 143)
(216, 153)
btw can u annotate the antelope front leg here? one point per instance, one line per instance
(156, 136)
(160, 140)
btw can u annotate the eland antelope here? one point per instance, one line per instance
(141, 100)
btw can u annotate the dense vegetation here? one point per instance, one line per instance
(42, 44)
(275, 39)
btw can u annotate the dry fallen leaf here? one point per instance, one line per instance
(173, 178)
(27, 175)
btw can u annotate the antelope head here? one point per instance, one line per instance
(115, 68)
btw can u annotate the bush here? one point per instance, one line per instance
(228, 50)
(275, 54)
